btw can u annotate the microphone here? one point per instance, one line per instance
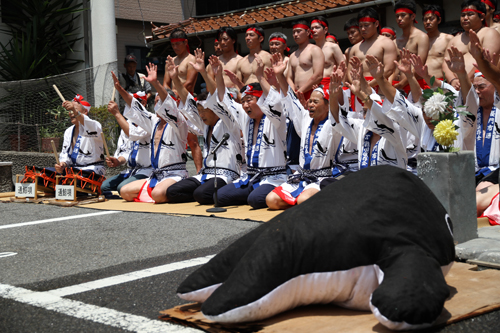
(224, 139)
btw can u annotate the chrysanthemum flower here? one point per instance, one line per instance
(435, 105)
(445, 133)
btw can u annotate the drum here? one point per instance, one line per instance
(86, 181)
(46, 177)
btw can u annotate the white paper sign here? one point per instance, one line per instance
(65, 192)
(25, 190)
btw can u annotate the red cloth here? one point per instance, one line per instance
(493, 211)
(407, 88)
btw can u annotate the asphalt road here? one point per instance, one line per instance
(84, 270)
(147, 254)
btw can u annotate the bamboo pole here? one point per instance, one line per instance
(105, 144)
(58, 92)
(55, 151)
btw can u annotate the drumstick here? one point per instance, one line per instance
(104, 142)
(58, 92)
(114, 93)
(55, 151)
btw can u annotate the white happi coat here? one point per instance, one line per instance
(409, 115)
(492, 132)
(136, 150)
(170, 157)
(229, 155)
(88, 153)
(390, 149)
(326, 140)
(269, 152)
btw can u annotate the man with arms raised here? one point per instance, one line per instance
(438, 41)
(412, 39)
(188, 76)
(333, 53)
(374, 44)
(226, 36)
(306, 63)
(472, 17)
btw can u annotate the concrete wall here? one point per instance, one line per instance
(169, 11)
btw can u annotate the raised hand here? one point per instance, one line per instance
(476, 49)
(123, 93)
(216, 64)
(278, 64)
(404, 65)
(171, 68)
(420, 68)
(375, 67)
(456, 62)
(152, 73)
(271, 77)
(260, 66)
(356, 74)
(491, 57)
(113, 108)
(199, 64)
(336, 80)
(301, 98)
(234, 79)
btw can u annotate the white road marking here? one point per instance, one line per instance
(72, 217)
(90, 312)
(7, 254)
(132, 276)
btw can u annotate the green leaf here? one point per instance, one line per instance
(433, 79)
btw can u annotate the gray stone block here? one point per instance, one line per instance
(450, 176)
(6, 183)
(490, 256)
(490, 232)
(474, 248)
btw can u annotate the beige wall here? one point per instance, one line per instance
(168, 11)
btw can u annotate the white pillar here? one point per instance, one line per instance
(103, 32)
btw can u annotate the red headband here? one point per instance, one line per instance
(367, 19)
(79, 98)
(406, 10)
(301, 26)
(496, 16)
(435, 12)
(332, 37)
(472, 10)
(249, 90)
(255, 30)
(143, 96)
(173, 40)
(389, 31)
(352, 26)
(489, 3)
(216, 40)
(279, 39)
(320, 22)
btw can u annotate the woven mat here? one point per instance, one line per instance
(472, 293)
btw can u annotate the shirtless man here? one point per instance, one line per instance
(374, 44)
(438, 41)
(306, 63)
(412, 39)
(352, 29)
(491, 7)
(277, 44)
(247, 66)
(187, 74)
(217, 48)
(333, 53)
(388, 32)
(229, 58)
(489, 38)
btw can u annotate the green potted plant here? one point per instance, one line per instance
(54, 131)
